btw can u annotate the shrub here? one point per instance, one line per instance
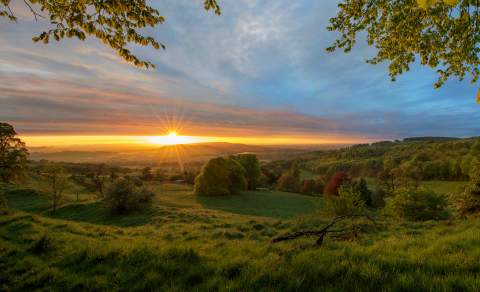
(288, 183)
(348, 202)
(417, 205)
(335, 182)
(220, 176)
(124, 196)
(469, 201)
(360, 187)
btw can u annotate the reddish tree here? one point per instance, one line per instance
(308, 186)
(335, 182)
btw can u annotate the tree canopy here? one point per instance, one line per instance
(13, 154)
(219, 177)
(115, 22)
(443, 35)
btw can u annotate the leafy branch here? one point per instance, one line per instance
(115, 22)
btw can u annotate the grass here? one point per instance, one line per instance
(273, 204)
(210, 244)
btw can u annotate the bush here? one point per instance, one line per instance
(348, 202)
(469, 201)
(124, 196)
(336, 182)
(417, 205)
(288, 183)
(360, 187)
(219, 177)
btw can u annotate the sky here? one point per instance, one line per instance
(259, 72)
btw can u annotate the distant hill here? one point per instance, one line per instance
(423, 139)
(143, 155)
(437, 158)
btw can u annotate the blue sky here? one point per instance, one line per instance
(259, 69)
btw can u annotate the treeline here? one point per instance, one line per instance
(429, 158)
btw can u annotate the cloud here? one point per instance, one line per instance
(259, 69)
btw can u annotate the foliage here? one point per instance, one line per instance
(56, 183)
(116, 23)
(251, 165)
(336, 182)
(360, 187)
(99, 177)
(312, 187)
(307, 187)
(270, 174)
(288, 183)
(348, 202)
(444, 36)
(399, 163)
(219, 177)
(469, 201)
(189, 177)
(147, 174)
(124, 196)
(417, 205)
(13, 154)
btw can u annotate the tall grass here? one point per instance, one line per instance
(203, 248)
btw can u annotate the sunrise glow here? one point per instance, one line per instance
(172, 138)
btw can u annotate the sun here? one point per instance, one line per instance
(172, 138)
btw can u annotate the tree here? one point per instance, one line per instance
(360, 187)
(252, 169)
(469, 201)
(295, 170)
(219, 177)
(347, 203)
(13, 154)
(116, 23)
(147, 174)
(319, 185)
(289, 183)
(335, 182)
(56, 182)
(441, 34)
(99, 176)
(308, 187)
(417, 204)
(124, 196)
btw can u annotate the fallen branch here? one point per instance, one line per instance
(322, 232)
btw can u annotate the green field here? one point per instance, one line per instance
(188, 243)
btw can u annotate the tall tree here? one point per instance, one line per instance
(443, 35)
(115, 22)
(13, 154)
(252, 169)
(57, 181)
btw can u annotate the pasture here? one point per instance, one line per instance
(184, 242)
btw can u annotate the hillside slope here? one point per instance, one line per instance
(193, 245)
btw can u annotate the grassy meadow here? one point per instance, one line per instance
(183, 242)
